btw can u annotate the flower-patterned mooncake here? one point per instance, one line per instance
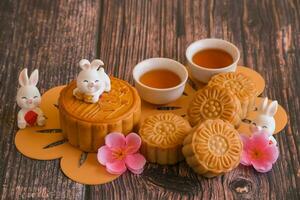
(240, 85)
(212, 148)
(214, 103)
(162, 136)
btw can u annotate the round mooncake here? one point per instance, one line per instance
(214, 103)
(85, 125)
(162, 136)
(212, 148)
(242, 86)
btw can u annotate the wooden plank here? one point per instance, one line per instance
(266, 32)
(51, 36)
(273, 51)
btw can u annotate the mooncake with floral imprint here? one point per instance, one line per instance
(239, 84)
(212, 148)
(85, 125)
(162, 136)
(214, 102)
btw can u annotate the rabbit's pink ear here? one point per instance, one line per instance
(95, 64)
(263, 105)
(34, 77)
(23, 77)
(84, 64)
(272, 108)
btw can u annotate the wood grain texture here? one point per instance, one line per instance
(266, 32)
(53, 35)
(50, 36)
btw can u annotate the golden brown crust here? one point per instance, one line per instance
(122, 100)
(162, 135)
(213, 148)
(85, 125)
(239, 84)
(214, 103)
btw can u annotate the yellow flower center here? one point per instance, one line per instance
(212, 108)
(119, 154)
(255, 154)
(218, 145)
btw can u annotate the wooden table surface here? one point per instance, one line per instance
(53, 36)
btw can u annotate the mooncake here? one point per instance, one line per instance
(85, 125)
(239, 84)
(214, 103)
(212, 148)
(162, 136)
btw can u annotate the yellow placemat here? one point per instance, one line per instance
(46, 143)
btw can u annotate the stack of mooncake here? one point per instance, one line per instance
(213, 145)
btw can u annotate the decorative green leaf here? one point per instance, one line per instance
(53, 130)
(168, 108)
(83, 158)
(54, 144)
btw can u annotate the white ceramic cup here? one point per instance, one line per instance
(157, 95)
(203, 74)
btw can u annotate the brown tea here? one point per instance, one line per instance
(212, 58)
(160, 78)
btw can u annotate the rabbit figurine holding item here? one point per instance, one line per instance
(265, 121)
(91, 81)
(29, 99)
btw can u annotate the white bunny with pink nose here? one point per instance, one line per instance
(265, 121)
(92, 81)
(29, 99)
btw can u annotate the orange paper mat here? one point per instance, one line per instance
(46, 143)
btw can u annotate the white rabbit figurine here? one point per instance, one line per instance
(91, 82)
(29, 99)
(265, 121)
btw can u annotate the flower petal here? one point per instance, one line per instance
(115, 140)
(262, 166)
(105, 155)
(245, 159)
(133, 143)
(117, 167)
(259, 140)
(135, 163)
(272, 153)
(139, 171)
(246, 141)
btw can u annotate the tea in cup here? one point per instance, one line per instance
(208, 57)
(160, 80)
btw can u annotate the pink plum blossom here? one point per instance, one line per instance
(121, 153)
(259, 152)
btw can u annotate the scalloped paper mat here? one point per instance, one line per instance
(47, 143)
(180, 105)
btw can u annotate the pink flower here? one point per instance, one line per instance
(258, 152)
(120, 153)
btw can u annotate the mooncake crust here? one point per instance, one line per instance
(162, 136)
(240, 85)
(214, 102)
(213, 148)
(85, 125)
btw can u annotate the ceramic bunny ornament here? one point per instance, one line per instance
(91, 81)
(29, 99)
(265, 121)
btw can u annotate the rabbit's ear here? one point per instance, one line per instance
(272, 108)
(96, 64)
(84, 64)
(23, 77)
(263, 105)
(34, 77)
